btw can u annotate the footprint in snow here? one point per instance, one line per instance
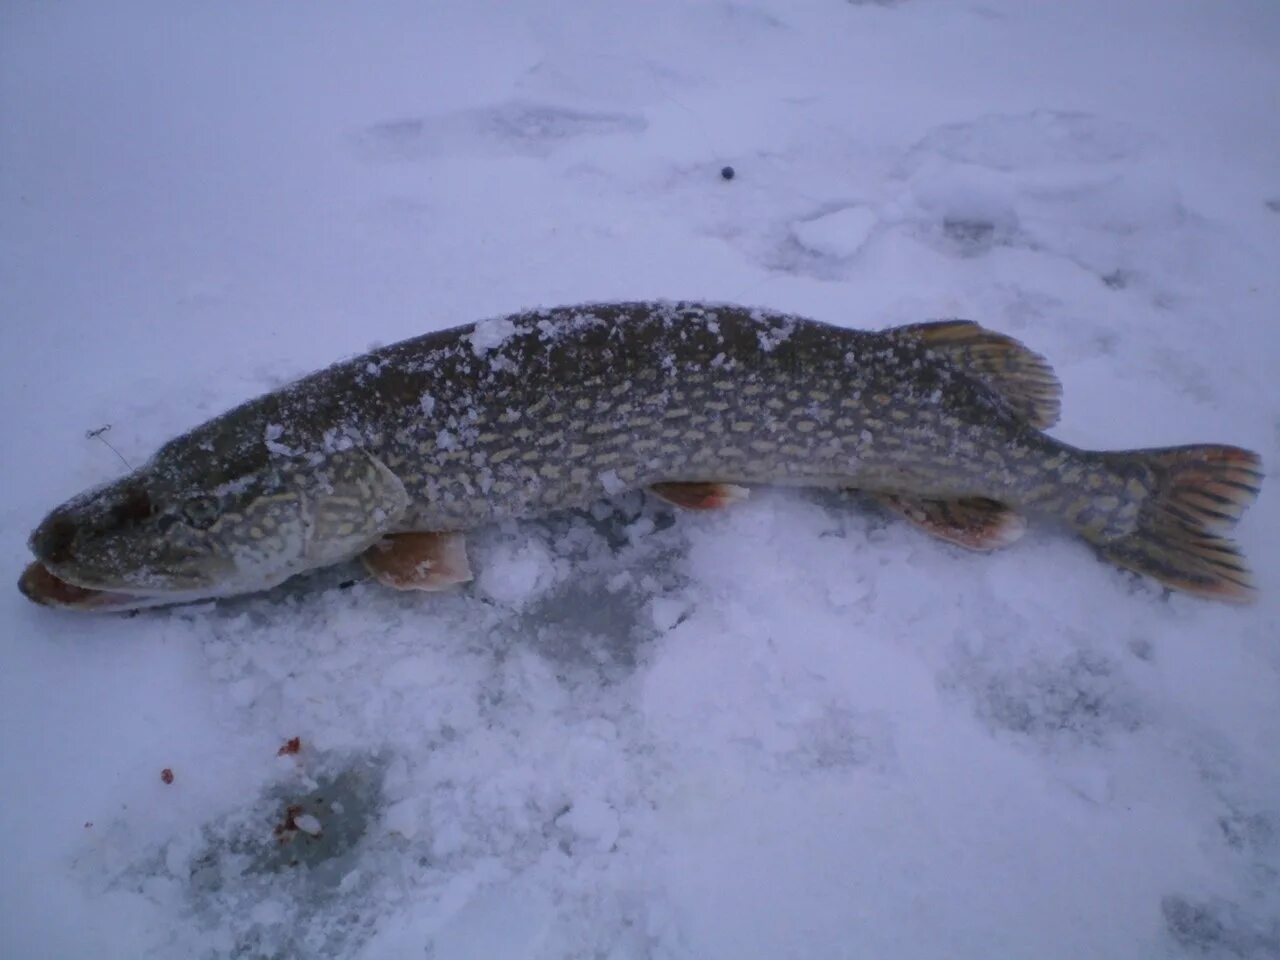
(1038, 139)
(517, 127)
(1082, 699)
(1219, 928)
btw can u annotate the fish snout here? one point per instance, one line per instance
(30, 581)
(53, 542)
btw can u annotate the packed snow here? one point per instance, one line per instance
(790, 728)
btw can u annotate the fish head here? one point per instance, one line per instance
(191, 526)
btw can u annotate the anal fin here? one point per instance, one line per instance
(972, 522)
(700, 496)
(419, 561)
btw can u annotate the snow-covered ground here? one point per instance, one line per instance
(789, 729)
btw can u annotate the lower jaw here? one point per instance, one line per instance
(44, 587)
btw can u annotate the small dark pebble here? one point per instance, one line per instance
(727, 173)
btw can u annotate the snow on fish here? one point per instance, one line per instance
(552, 409)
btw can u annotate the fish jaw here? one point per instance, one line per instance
(42, 585)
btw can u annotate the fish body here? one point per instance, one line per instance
(541, 411)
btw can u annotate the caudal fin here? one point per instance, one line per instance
(1196, 493)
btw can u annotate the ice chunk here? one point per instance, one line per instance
(514, 575)
(841, 233)
(402, 818)
(307, 824)
(612, 483)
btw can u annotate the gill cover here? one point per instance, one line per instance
(316, 513)
(350, 506)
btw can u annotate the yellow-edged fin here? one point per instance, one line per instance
(1020, 375)
(419, 561)
(1197, 492)
(975, 523)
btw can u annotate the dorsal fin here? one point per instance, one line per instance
(1021, 376)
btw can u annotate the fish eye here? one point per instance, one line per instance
(200, 512)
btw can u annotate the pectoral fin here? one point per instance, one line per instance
(419, 561)
(973, 522)
(700, 496)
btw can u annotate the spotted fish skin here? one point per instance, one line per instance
(553, 409)
(572, 404)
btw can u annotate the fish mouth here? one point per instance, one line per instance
(41, 585)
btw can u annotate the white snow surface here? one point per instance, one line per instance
(792, 728)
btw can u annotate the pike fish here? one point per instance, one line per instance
(393, 455)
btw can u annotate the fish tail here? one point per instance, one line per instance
(1185, 498)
